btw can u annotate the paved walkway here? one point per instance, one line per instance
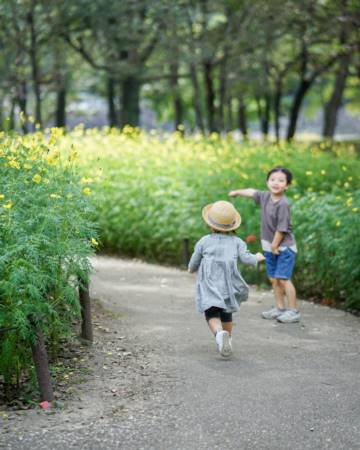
(286, 387)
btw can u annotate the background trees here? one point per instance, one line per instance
(213, 65)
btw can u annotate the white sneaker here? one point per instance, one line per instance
(223, 341)
(289, 316)
(272, 313)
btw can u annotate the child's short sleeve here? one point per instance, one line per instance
(283, 218)
(258, 196)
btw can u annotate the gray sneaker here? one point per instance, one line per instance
(272, 313)
(289, 316)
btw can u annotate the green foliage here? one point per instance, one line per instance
(330, 249)
(45, 237)
(152, 189)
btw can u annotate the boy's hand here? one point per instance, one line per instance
(233, 194)
(260, 257)
(275, 250)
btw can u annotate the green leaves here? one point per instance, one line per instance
(46, 240)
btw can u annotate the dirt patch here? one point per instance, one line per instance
(108, 378)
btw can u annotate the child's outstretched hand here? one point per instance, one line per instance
(233, 194)
(260, 257)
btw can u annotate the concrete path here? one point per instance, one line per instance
(286, 387)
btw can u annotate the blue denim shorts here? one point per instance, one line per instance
(280, 266)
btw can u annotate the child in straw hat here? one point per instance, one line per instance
(220, 287)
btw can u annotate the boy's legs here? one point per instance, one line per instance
(279, 292)
(289, 288)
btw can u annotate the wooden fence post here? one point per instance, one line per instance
(85, 303)
(40, 358)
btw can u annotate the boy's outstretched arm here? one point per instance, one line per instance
(249, 192)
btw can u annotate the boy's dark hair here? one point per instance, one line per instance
(288, 174)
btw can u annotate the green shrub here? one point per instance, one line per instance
(150, 189)
(45, 238)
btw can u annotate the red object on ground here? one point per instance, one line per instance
(250, 238)
(45, 404)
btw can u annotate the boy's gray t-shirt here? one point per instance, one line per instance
(275, 216)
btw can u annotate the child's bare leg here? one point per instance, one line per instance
(215, 325)
(279, 292)
(290, 292)
(227, 326)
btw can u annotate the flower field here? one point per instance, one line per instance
(149, 191)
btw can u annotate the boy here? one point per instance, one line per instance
(277, 241)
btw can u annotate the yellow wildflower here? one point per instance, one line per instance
(308, 173)
(8, 205)
(14, 164)
(323, 172)
(338, 223)
(94, 242)
(87, 191)
(27, 166)
(85, 180)
(2, 196)
(36, 178)
(55, 196)
(354, 210)
(349, 201)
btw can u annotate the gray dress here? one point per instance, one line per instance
(219, 282)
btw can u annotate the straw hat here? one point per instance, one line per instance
(221, 216)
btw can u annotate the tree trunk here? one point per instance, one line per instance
(112, 117)
(85, 303)
(222, 95)
(210, 96)
(230, 117)
(242, 118)
(35, 66)
(60, 116)
(22, 102)
(178, 107)
(11, 125)
(266, 119)
(301, 91)
(264, 114)
(41, 364)
(197, 99)
(277, 108)
(130, 101)
(333, 105)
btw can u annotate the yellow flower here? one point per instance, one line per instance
(338, 223)
(87, 191)
(2, 196)
(14, 164)
(36, 178)
(296, 196)
(308, 173)
(323, 172)
(27, 166)
(94, 242)
(55, 196)
(86, 180)
(354, 210)
(349, 201)
(8, 205)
